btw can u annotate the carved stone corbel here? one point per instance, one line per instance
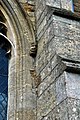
(33, 50)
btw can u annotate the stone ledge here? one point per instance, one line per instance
(71, 66)
(65, 13)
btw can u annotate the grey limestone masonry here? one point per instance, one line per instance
(57, 61)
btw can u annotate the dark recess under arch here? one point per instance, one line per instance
(5, 53)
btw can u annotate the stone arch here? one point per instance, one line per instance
(20, 84)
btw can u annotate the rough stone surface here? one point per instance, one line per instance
(58, 38)
(77, 6)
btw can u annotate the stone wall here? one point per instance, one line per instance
(77, 6)
(57, 62)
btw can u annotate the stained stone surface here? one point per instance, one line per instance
(77, 6)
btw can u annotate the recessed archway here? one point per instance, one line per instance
(4, 61)
(5, 53)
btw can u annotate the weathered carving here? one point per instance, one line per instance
(28, 7)
(33, 49)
